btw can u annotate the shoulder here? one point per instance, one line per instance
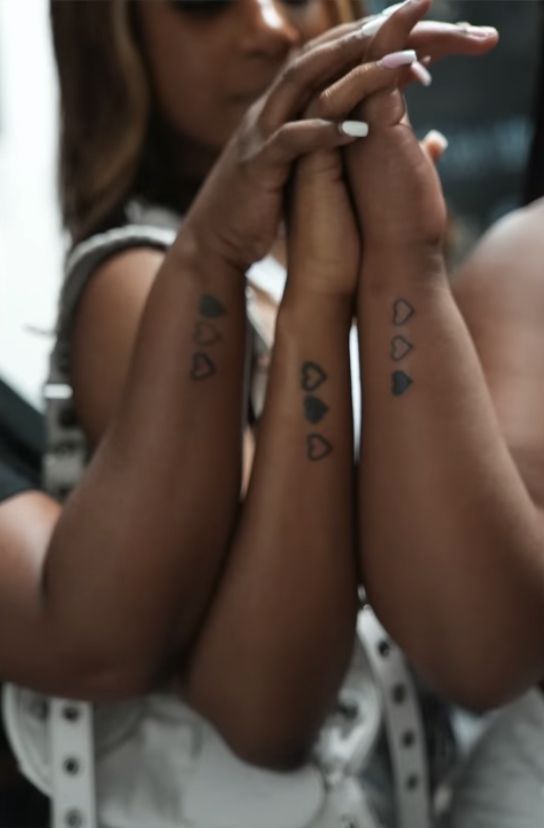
(122, 247)
(504, 276)
(25, 514)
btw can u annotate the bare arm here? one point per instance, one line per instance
(273, 652)
(157, 370)
(451, 539)
(117, 543)
(452, 543)
(115, 549)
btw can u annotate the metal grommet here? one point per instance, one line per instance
(74, 818)
(71, 765)
(384, 648)
(412, 782)
(408, 739)
(70, 713)
(348, 708)
(399, 693)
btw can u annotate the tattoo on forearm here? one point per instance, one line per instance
(318, 447)
(206, 334)
(203, 367)
(211, 308)
(312, 376)
(401, 382)
(400, 347)
(314, 409)
(402, 312)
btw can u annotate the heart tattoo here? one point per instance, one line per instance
(401, 382)
(400, 347)
(203, 367)
(312, 376)
(318, 447)
(210, 307)
(314, 409)
(205, 334)
(402, 312)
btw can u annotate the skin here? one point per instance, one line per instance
(181, 594)
(460, 470)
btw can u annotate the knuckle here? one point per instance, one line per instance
(322, 104)
(291, 72)
(282, 138)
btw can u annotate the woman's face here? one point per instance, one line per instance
(210, 59)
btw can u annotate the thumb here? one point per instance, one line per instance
(434, 144)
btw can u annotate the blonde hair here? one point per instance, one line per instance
(105, 107)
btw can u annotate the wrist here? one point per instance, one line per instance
(302, 310)
(195, 250)
(411, 265)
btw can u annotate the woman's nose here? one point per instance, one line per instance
(265, 29)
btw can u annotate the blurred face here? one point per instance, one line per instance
(210, 59)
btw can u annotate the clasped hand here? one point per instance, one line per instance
(295, 140)
(384, 186)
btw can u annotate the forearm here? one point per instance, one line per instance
(451, 551)
(274, 650)
(144, 535)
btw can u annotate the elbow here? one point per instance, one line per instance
(268, 747)
(105, 676)
(263, 734)
(476, 681)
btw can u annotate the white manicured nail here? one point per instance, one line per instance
(392, 9)
(421, 73)
(397, 59)
(373, 26)
(355, 129)
(439, 138)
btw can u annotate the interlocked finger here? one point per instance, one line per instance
(395, 30)
(301, 137)
(339, 99)
(308, 73)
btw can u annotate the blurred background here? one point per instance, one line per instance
(484, 107)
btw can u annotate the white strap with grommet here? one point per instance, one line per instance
(403, 725)
(72, 764)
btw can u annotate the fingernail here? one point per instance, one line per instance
(355, 129)
(387, 12)
(476, 31)
(439, 137)
(481, 31)
(421, 73)
(373, 26)
(397, 59)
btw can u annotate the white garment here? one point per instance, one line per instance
(160, 765)
(502, 784)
